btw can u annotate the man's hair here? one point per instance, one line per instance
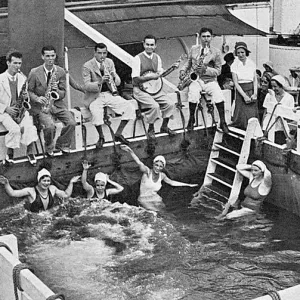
(48, 48)
(150, 36)
(205, 29)
(13, 53)
(100, 46)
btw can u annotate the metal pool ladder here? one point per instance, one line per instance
(228, 150)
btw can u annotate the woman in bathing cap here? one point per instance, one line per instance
(43, 195)
(151, 181)
(101, 180)
(260, 183)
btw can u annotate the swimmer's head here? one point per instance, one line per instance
(100, 181)
(159, 163)
(258, 168)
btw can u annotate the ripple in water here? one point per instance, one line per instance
(91, 250)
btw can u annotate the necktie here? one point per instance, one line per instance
(48, 77)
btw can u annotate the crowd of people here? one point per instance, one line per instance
(203, 72)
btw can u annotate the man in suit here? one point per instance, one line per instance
(206, 62)
(13, 88)
(100, 79)
(40, 80)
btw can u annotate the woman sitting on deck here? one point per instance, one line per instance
(101, 179)
(260, 183)
(151, 181)
(42, 196)
(277, 95)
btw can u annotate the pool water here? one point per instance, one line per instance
(100, 250)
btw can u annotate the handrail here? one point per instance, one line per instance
(285, 113)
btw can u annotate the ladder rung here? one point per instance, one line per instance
(237, 131)
(221, 163)
(217, 191)
(236, 136)
(227, 149)
(219, 179)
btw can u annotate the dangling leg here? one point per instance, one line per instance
(221, 109)
(101, 139)
(191, 122)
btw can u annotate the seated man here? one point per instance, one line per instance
(18, 122)
(158, 105)
(100, 79)
(43, 82)
(205, 62)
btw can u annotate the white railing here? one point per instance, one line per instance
(289, 117)
(33, 288)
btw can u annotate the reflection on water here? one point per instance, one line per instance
(116, 251)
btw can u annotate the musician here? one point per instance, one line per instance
(11, 86)
(206, 62)
(100, 79)
(157, 106)
(41, 80)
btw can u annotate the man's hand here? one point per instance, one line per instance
(201, 69)
(153, 76)
(105, 78)
(42, 100)
(181, 75)
(12, 111)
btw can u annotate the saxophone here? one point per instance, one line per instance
(51, 93)
(22, 102)
(192, 75)
(111, 83)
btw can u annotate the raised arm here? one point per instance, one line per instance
(142, 167)
(171, 182)
(118, 188)
(11, 192)
(86, 186)
(67, 193)
(245, 170)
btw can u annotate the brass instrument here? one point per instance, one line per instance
(192, 75)
(22, 102)
(51, 93)
(111, 83)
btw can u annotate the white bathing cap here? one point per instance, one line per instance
(41, 173)
(160, 158)
(101, 177)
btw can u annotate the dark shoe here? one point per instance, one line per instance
(32, 159)
(151, 134)
(167, 130)
(9, 159)
(120, 138)
(99, 144)
(64, 150)
(224, 127)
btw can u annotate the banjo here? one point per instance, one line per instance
(154, 86)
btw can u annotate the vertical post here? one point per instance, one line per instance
(68, 92)
(298, 131)
(33, 24)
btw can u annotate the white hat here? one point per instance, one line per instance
(260, 164)
(160, 158)
(101, 177)
(41, 173)
(280, 79)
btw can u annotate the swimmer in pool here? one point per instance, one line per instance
(260, 183)
(151, 181)
(41, 197)
(99, 191)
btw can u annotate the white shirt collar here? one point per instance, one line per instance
(149, 56)
(11, 77)
(46, 71)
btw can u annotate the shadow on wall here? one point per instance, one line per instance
(3, 65)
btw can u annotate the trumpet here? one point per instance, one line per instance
(111, 83)
(51, 93)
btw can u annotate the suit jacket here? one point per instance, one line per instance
(37, 86)
(92, 79)
(212, 59)
(5, 93)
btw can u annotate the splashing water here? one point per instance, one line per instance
(100, 250)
